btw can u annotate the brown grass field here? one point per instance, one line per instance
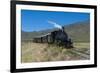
(42, 52)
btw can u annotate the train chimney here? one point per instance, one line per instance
(63, 29)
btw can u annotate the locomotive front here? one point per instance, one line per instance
(62, 39)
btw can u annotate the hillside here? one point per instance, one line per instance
(79, 31)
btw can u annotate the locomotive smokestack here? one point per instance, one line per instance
(63, 29)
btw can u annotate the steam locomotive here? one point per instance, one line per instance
(59, 37)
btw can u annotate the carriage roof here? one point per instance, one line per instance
(43, 35)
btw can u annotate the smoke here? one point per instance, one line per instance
(55, 24)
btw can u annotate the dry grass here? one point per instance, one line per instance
(37, 52)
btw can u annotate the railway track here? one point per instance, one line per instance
(84, 55)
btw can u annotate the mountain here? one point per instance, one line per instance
(79, 31)
(31, 35)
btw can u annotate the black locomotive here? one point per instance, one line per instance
(58, 37)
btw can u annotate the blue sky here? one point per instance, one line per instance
(34, 20)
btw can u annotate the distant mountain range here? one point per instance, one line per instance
(79, 32)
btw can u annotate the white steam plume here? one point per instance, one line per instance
(55, 24)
